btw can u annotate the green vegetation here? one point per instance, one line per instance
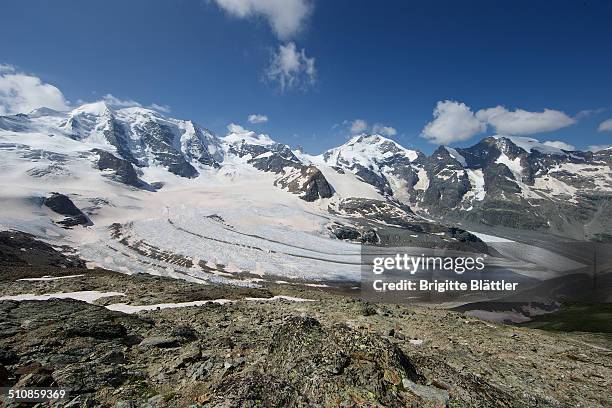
(584, 317)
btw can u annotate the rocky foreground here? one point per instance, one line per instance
(316, 347)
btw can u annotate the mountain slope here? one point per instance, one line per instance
(168, 196)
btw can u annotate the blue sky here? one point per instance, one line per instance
(386, 63)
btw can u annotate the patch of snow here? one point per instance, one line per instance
(423, 182)
(456, 155)
(317, 285)
(490, 238)
(88, 296)
(129, 309)
(477, 182)
(514, 165)
(528, 144)
(49, 278)
(279, 297)
(367, 151)
(237, 135)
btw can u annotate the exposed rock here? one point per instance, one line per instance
(160, 342)
(61, 204)
(19, 248)
(370, 237)
(346, 233)
(308, 182)
(310, 364)
(123, 171)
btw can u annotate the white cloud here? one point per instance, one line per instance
(160, 108)
(286, 17)
(522, 122)
(589, 112)
(235, 128)
(358, 126)
(256, 118)
(605, 126)
(291, 68)
(596, 148)
(22, 93)
(115, 102)
(453, 121)
(381, 129)
(560, 145)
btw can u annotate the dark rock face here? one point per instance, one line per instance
(34, 253)
(61, 204)
(123, 170)
(295, 176)
(370, 237)
(159, 139)
(370, 177)
(310, 183)
(346, 233)
(196, 147)
(153, 140)
(448, 181)
(394, 224)
(281, 157)
(117, 136)
(96, 329)
(316, 185)
(389, 156)
(388, 212)
(488, 150)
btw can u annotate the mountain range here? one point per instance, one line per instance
(511, 181)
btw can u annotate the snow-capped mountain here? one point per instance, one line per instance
(141, 136)
(521, 183)
(266, 155)
(502, 180)
(377, 160)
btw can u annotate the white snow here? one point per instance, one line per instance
(423, 182)
(477, 182)
(514, 165)
(366, 150)
(456, 155)
(348, 184)
(279, 297)
(528, 144)
(490, 238)
(88, 296)
(237, 135)
(49, 278)
(130, 309)
(554, 187)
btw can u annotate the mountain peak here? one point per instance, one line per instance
(366, 147)
(238, 134)
(529, 144)
(98, 108)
